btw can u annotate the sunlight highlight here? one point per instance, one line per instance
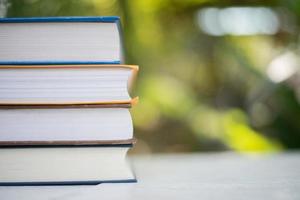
(238, 21)
(283, 67)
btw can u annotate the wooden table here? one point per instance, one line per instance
(188, 176)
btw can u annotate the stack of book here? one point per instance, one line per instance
(64, 102)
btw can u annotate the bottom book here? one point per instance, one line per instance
(65, 165)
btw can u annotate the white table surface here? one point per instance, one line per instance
(188, 176)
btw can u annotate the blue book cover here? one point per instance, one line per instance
(54, 61)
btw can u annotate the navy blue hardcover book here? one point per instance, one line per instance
(60, 40)
(69, 164)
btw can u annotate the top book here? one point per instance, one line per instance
(60, 40)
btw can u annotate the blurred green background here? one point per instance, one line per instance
(214, 75)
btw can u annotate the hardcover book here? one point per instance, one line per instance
(64, 164)
(65, 125)
(66, 84)
(60, 40)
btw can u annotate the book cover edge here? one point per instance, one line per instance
(69, 143)
(115, 103)
(58, 62)
(109, 19)
(61, 183)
